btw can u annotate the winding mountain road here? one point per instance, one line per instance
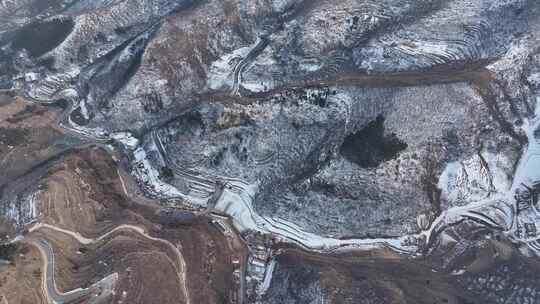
(56, 297)
(260, 45)
(97, 291)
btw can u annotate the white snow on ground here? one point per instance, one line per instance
(126, 139)
(256, 86)
(437, 51)
(33, 205)
(500, 209)
(257, 76)
(22, 212)
(450, 179)
(237, 196)
(69, 94)
(84, 110)
(527, 173)
(52, 85)
(534, 79)
(267, 277)
(31, 77)
(528, 169)
(236, 201)
(150, 176)
(474, 179)
(456, 214)
(498, 164)
(281, 5)
(518, 51)
(97, 133)
(310, 66)
(221, 70)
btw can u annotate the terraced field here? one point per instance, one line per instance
(280, 151)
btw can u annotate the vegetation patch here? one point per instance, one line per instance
(39, 38)
(370, 147)
(13, 137)
(7, 251)
(27, 112)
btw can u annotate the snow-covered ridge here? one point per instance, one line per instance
(511, 210)
(22, 212)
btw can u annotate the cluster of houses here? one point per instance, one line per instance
(258, 267)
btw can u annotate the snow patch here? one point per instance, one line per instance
(149, 176)
(236, 201)
(474, 179)
(528, 169)
(310, 66)
(22, 212)
(84, 110)
(126, 139)
(221, 71)
(261, 290)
